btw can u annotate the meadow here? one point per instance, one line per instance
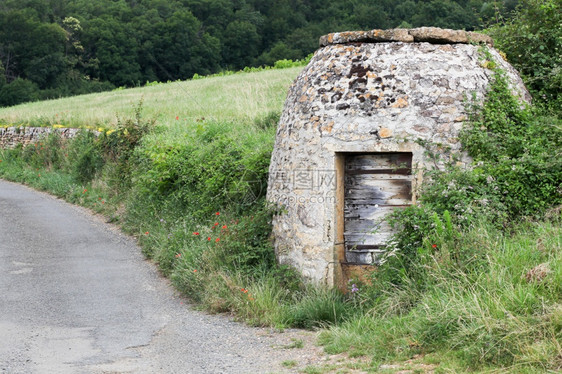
(183, 167)
(234, 97)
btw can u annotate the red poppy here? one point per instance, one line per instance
(195, 233)
(177, 117)
(146, 233)
(209, 238)
(434, 246)
(217, 213)
(224, 227)
(217, 240)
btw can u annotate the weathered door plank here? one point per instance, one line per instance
(375, 185)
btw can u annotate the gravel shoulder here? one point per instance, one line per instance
(79, 297)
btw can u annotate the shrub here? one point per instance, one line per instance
(84, 156)
(531, 41)
(19, 91)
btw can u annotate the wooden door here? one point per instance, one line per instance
(375, 184)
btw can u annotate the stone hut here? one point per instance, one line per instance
(351, 141)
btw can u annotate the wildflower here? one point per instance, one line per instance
(209, 238)
(354, 288)
(85, 190)
(146, 233)
(178, 255)
(217, 213)
(217, 240)
(195, 270)
(177, 117)
(195, 233)
(434, 246)
(224, 227)
(244, 290)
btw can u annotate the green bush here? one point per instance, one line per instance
(84, 156)
(518, 150)
(19, 91)
(211, 168)
(532, 41)
(46, 152)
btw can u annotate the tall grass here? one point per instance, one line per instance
(239, 97)
(502, 313)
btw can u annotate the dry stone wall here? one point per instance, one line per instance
(12, 136)
(364, 92)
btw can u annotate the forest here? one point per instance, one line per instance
(56, 48)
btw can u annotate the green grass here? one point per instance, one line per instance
(289, 363)
(498, 316)
(240, 97)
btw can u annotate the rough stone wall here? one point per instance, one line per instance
(357, 96)
(12, 136)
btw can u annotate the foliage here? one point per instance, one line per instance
(532, 41)
(17, 91)
(519, 152)
(86, 155)
(71, 47)
(211, 164)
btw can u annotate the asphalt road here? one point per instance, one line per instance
(76, 296)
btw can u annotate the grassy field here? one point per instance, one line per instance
(234, 98)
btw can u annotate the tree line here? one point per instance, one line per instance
(55, 48)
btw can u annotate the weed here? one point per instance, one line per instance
(296, 343)
(289, 363)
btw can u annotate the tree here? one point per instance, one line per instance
(532, 42)
(19, 91)
(114, 45)
(445, 14)
(241, 44)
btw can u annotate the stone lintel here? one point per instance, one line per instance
(432, 35)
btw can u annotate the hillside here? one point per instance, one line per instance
(239, 97)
